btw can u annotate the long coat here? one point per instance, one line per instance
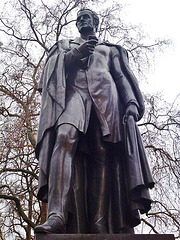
(136, 173)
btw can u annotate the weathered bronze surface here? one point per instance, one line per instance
(93, 168)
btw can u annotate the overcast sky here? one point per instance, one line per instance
(160, 19)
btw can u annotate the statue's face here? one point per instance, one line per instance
(85, 22)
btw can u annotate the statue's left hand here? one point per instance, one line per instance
(132, 110)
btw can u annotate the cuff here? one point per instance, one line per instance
(77, 53)
(133, 101)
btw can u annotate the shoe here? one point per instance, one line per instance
(54, 224)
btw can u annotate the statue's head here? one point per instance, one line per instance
(87, 20)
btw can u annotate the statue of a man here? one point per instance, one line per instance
(93, 169)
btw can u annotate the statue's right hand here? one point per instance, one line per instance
(87, 48)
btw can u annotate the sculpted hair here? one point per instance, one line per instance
(94, 15)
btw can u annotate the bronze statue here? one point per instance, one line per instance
(93, 169)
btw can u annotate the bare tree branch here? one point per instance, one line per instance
(19, 208)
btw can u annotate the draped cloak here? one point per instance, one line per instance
(136, 177)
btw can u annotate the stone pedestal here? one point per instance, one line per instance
(104, 237)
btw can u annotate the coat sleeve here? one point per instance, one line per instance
(72, 58)
(124, 61)
(124, 87)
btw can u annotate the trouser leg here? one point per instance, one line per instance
(98, 181)
(61, 170)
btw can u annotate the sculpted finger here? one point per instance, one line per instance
(137, 117)
(93, 41)
(91, 49)
(90, 45)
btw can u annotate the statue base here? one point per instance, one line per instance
(104, 237)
